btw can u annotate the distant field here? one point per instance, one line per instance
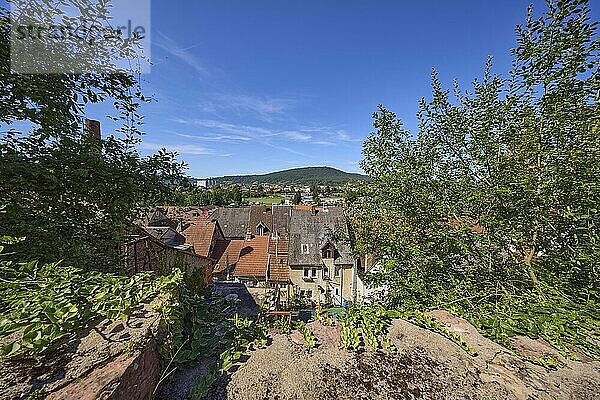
(265, 200)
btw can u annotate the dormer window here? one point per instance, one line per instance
(262, 229)
(305, 249)
(328, 251)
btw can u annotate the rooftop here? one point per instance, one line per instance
(199, 233)
(254, 258)
(233, 221)
(313, 229)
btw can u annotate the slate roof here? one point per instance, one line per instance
(233, 221)
(157, 218)
(254, 258)
(258, 214)
(166, 235)
(200, 233)
(312, 228)
(281, 218)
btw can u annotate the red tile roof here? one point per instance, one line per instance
(200, 233)
(254, 257)
(302, 207)
(281, 244)
(226, 252)
(278, 268)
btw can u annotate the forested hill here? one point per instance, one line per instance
(300, 176)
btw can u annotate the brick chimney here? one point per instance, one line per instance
(92, 127)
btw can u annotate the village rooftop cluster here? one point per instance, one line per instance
(300, 253)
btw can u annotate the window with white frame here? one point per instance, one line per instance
(325, 272)
(310, 273)
(262, 229)
(304, 249)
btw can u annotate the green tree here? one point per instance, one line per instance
(73, 196)
(492, 210)
(297, 199)
(314, 189)
(350, 193)
(260, 192)
(218, 196)
(236, 195)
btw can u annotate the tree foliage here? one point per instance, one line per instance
(297, 199)
(187, 195)
(71, 195)
(492, 209)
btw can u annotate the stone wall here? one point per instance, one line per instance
(128, 377)
(116, 360)
(148, 254)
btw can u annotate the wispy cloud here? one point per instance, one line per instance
(327, 135)
(240, 131)
(183, 53)
(190, 149)
(261, 107)
(215, 138)
(279, 139)
(284, 148)
(237, 129)
(297, 136)
(323, 143)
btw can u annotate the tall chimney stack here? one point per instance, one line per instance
(92, 127)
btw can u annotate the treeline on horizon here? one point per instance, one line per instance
(297, 176)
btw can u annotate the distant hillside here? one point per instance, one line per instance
(299, 176)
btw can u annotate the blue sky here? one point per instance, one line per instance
(258, 86)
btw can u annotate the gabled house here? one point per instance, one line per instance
(233, 221)
(157, 218)
(269, 220)
(203, 235)
(186, 213)
(321, 267)
(261, 220)
(167, 235)
(162, 249)
(255, 259)
(253, 263)
(226, 253)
